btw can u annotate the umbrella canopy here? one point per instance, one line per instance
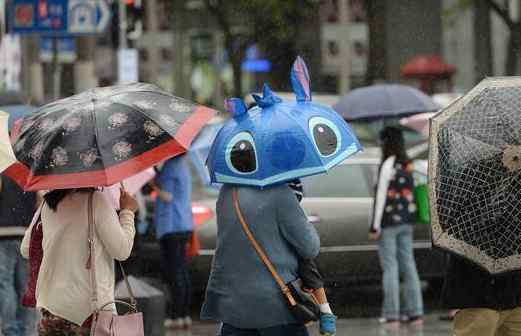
(278, 141)
(418, 122)
(131, 185)
(17, 112)
(427, 66)
(200, 148)
(12, 98)
(475, 175)
(383, 101)
(102, 136)
(7, 156)
(421, 122)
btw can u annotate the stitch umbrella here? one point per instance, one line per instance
(102, 136)
(278, 141)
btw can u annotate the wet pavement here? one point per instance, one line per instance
(348, 327)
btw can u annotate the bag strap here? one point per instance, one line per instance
(91, 264)
(262, 255)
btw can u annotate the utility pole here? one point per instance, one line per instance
(56, 70)
(152, 41)
(344, 77)
(122, 15)
(181, 82)
(482, 41)
(84, 69)
(32, 72)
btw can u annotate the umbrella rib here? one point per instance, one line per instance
(95, 125)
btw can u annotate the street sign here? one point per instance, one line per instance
(66, 49)
(253, 62)
(58, 17)
(128, 71)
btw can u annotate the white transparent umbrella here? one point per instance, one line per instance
(7, 156)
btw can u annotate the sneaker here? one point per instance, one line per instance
(390, 323)
(187, 322)
(327, 324)
(174, 323)
(416, 321)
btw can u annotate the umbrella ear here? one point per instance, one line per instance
(235, 106)
(268, 97)
(300, 80)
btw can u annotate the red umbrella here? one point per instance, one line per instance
(103, 136)
(427, 66)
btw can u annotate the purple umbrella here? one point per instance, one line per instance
(383, 101)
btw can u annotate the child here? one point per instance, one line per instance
(312, 279)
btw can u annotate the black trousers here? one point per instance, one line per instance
(309, 273)
(175, 273)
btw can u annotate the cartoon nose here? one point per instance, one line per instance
(287, 151)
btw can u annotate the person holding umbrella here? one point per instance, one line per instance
(16, 210)
(394, 214)
(63, 291)
(261, 228)
(474, 178)
(72, 147)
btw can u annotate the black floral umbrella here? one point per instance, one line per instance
(102, 136)
(475, 175)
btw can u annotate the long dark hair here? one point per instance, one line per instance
(393, 144)
(53, 198)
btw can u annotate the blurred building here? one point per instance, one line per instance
(181, 48)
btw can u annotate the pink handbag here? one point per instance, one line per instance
(106, 322)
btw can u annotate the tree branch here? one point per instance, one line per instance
(503, 13)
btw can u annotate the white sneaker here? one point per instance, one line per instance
(177, 323)
(168, 323)
(187, 323)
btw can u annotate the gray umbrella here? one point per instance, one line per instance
(475, 175)
(383, 101)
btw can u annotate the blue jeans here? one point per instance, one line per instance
(280, 330)
(16, 319)
(396, 257)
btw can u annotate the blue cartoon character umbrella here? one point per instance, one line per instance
(278, 141)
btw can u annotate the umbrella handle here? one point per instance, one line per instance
(122, 185)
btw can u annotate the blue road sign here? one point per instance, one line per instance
(58, 17)
(66, 49)
(260, 65)
(253, 63)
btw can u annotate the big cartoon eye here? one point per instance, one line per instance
(241, 154)
(326, 135)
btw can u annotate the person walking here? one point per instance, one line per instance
(485, 304)
(241, 292)
(63, 288)
(16, 210)
(174, 227)
(312, 278)
(394, 214)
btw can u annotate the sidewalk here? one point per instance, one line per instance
(347, 327)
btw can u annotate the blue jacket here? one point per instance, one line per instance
(241, 291)
(175, 216)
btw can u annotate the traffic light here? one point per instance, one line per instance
(135, 13)
(134, 17)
